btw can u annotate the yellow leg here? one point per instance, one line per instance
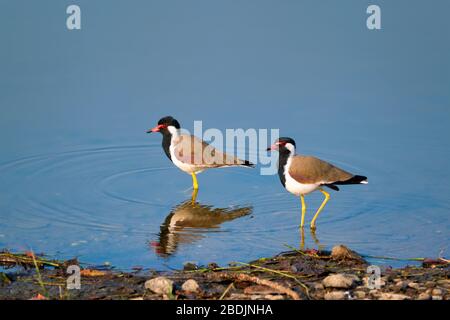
(327, 197)
(194, 181)
(302, 198)
(194, 196)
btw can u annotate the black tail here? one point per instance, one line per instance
(248, 164)
(353, 180)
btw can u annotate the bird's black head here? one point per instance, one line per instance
(283, 145)
(164, 124)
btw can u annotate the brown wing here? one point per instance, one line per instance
(306, 169)
(192, 150)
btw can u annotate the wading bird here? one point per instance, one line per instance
(301, 175)
(191, 154)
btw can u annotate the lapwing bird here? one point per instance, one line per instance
(301, 175)
(191, 154)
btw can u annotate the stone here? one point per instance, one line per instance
(424, 296)
(273, 297)
(375, 293)
(340, 280)
(159, 285)
(190, 266)
(318, 295)
(392, 296)
(190, 286)
(335, 295)
(359, 294)
(444, 282)
(258, 289)
(213, 265)
(414, 285)
(401, 285)
(422, 289)
(238, 296)
(318, 286)
(341, 252)
(436, 292)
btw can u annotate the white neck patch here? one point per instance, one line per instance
(291, 149)
(173, 131)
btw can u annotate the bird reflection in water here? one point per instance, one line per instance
(189, 221)
(313, 236)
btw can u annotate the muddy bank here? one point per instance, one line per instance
(337, 275)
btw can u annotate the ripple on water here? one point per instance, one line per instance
(116, 202)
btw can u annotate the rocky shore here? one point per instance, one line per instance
(299, 275)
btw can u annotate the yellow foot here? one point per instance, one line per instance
(194, 196)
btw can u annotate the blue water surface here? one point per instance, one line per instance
(79, 176)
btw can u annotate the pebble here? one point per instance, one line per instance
(359, 294)
(374, 293)
(318, 286)
(273, 297)
(344, 281)
(341, 252)
(238, 296)
(213, 265)
(424, 296)
(445, 283)
(414, 285)
(319, 294)
(392, 296)
(159, 285)
(335, 295)
(190, 286)
(401, 285)
(190, 266)
(436, 292)
(258, 289)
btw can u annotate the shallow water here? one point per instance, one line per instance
(79, 176)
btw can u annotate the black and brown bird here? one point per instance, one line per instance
(301, 175)
(191, 154)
